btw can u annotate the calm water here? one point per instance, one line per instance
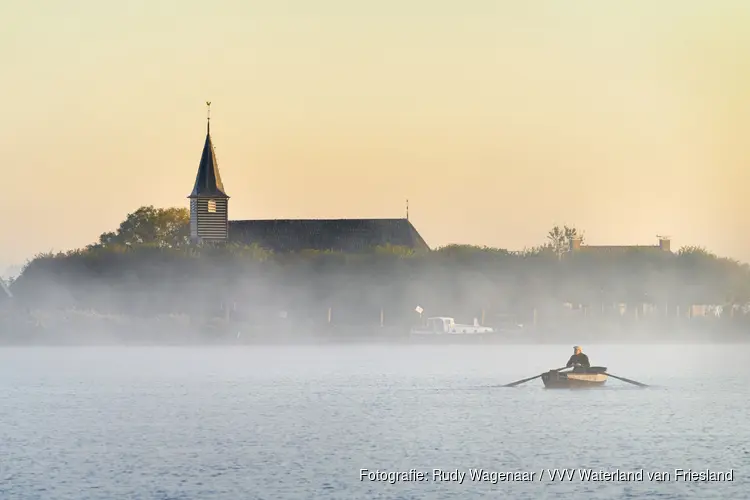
(300, 422)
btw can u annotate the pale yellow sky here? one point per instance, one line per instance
(496, 119)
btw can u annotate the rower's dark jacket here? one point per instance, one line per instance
(580, 359)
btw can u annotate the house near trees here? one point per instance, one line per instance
(576, 245)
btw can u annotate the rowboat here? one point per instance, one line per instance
(579, 378)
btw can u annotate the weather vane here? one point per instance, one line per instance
(208, 115)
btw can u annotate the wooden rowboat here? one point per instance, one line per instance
(579, 378)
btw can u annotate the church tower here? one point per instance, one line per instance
(209, 220)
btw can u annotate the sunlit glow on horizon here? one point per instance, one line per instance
(496, 120)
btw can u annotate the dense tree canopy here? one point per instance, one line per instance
(167, 227)
(146, 266)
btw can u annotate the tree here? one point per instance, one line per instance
(163, 227)
(559, 239)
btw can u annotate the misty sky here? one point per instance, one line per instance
(496, 119)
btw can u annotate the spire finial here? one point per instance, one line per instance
(407, 209)
(208, 117)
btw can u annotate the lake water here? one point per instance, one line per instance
(301, 422)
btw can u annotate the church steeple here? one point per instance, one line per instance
(208, 180)
(208, 201)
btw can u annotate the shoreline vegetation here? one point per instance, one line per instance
(144, 283)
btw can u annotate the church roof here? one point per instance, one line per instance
(347, 235)
(208, 181)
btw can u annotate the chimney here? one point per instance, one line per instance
(664, 244)
(575, 244)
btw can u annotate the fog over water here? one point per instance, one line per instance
(300, 422)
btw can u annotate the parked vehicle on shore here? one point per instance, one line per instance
(443, 325)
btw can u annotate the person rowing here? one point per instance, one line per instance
(578, 360)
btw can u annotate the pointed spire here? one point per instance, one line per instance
(208, 117)
(407, 209)
(208, 180)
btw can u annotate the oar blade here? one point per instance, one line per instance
(519, 382)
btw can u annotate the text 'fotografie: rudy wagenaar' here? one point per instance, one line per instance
(562, 475)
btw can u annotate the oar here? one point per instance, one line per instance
(518, 382)
(627, 380)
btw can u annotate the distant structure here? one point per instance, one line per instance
(663, 246)
(209, 203)
(209, 220)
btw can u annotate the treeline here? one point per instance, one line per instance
(147, 268)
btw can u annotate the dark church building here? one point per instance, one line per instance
(209, 222)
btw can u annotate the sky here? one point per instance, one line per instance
(495, 119)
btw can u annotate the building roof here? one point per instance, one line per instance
(664, 246)
(618, 248)
(208, 181)
(347, 235)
